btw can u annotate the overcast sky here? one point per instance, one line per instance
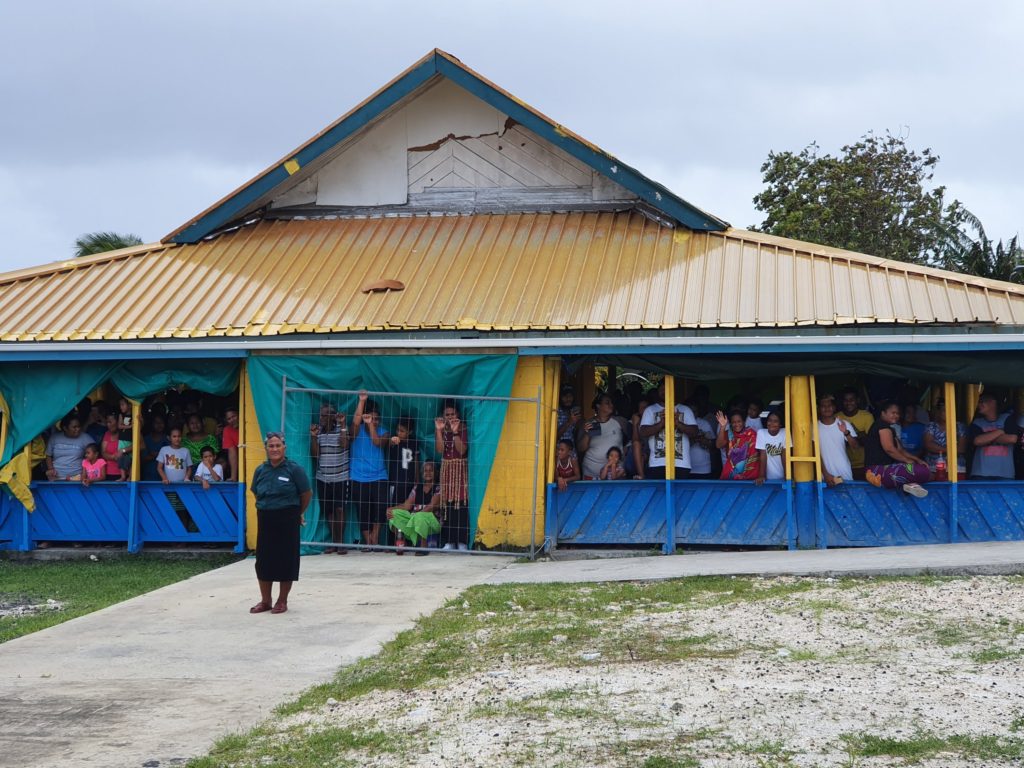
(134, 116)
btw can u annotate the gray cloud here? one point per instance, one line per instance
(136, 116)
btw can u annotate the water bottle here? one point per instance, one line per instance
(941, 475)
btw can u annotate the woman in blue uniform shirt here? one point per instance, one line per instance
(282, 493)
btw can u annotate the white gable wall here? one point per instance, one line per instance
(447, 140)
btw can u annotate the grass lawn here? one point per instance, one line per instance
(83, 586)
(714, 672)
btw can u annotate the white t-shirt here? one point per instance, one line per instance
(833, 449)
(773, 446)
(175, 462)
(700, 457)
(203, 472)
(755, 423)
(656, 443)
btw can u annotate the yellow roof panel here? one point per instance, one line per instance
(486, 272)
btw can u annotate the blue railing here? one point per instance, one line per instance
(701, 512)
(128, 513)
(668, 513)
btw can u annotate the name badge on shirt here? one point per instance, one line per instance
(282, 479)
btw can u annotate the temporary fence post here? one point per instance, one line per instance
(284, 399)
(537, 469)
(240, 461)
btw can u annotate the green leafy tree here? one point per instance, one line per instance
(871, 198)
(100, 242)
(965, 247)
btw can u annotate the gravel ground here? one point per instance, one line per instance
(800, 679)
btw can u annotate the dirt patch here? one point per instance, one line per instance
(20, 606)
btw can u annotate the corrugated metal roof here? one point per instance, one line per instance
(484, 272)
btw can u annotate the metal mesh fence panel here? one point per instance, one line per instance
(417, 473)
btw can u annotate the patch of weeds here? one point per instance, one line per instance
(990, 655)
(1017, 724)
(658, 761)
(925, 745)
(302, 747)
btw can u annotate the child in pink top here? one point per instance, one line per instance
(94, 468)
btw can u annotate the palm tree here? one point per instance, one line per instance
(978, 255)
(99, 242)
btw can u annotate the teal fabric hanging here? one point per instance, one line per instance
(140, 378)
(39, 394)
(469, 375)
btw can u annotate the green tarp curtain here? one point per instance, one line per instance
(992, 368)
(39, 394)
(480, 375)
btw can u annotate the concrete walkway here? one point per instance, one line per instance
(157, 679)
(949, 559)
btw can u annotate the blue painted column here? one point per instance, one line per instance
(551, 516)
(134, 531)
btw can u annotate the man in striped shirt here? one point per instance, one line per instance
(328, 445)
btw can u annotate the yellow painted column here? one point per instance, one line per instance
(971, 395)
(251, 447)
(670, 428)
(136, 441)
(507, 507)
(951, 438)
(804, 415)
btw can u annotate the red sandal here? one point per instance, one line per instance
(279, 608)
(260, 608)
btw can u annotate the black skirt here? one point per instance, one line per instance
(277, 544)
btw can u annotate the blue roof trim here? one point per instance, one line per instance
(834, 345)
(113, 353)
(649, 191)
(233, 207)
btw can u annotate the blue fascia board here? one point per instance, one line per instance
(651, 192)
(833, 346)
(245, 197)
(112, 353)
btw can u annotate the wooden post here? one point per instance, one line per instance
(951, 437)
(670, 428)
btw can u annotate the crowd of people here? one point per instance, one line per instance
(895, 444)
(625, 438)
(182, 440)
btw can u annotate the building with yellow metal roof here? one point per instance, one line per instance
(445, 217)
